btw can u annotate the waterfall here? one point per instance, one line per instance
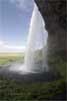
(35, 45)
(35, 56)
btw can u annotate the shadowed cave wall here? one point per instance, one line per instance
(54, 14)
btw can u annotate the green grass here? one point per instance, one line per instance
(4, 61)
(9, 58)
(13, 91)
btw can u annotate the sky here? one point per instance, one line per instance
(15, 18)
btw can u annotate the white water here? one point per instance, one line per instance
(36, 41)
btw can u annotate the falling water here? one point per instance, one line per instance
(35, 56)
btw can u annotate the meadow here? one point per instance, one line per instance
(8, 58)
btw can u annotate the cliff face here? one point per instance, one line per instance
(54, 14)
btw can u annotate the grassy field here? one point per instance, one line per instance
(7, 58)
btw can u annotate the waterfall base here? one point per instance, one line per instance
(20, 69)
(23, 69)
(25, 76)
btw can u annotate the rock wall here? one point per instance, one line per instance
(54, 14)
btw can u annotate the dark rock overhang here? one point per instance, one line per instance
(54, 15)
(55, 9)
